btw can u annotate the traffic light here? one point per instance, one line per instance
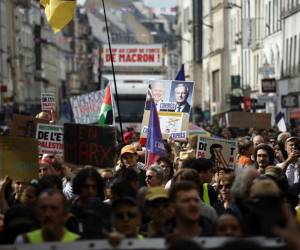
(37, 47)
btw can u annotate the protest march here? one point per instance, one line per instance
(134, 158)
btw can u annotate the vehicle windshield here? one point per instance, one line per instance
(132, 108)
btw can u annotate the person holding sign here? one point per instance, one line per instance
(181, 96)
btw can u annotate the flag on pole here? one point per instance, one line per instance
(279, 119)
(59, 12)
(106, 111)
(155, 146)
(180, 75)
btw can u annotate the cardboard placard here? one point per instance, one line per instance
(51, 139)
(249, 120)
(24, 125)
(222, 152)
(48, 101)
(86, 108)
(90, 145)
(173, 100)
(18, 158)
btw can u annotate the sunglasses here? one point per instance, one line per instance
(122, 216)
(226, 186)
(149, 177)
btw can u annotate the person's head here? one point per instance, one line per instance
(154, 176)
(30, 195)
(181, 93)
(44, 167)
(121, 187)
(167, 166)
(52, 210)
(245, 146)
(19, 186)
(50, 182)
(158, 205)
(228, 225)
(129, 156)
(131, 176)
(88, 184)
(292, 144)
(264, 156)
(258, 139)
(43, 116)
(158, 91)
(263, 188)
(187, 174)
(224, 185)
(205, 169)
(106, 174)
(185, 201)
(126, 216)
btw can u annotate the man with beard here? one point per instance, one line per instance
(264, 156)
(52, 214)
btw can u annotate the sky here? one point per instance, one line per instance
(152, 3)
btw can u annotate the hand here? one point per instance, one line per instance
(293, 157)
(53, 119)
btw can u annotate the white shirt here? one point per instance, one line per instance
(292, 173)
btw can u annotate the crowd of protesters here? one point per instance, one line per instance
(177, 198)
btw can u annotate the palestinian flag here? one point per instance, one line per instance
(106, 112)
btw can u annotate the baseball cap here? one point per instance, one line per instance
(156, 193)
(128, 149)
(124, 200)
(293, 138)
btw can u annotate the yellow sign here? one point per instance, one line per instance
(58, 12)
(18, 158)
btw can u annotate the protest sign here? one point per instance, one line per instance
(86, 108)
(18, 158)
(249, 120)
(51, 138)
(24, 125)
(134, 55)
(48, 101)
(173, 100)
(90, 145)
(222, 152)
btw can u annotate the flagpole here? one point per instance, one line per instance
(113, 70)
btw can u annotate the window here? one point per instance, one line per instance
(286, 64)
(295, 55)
(216, 86)
(291, 56)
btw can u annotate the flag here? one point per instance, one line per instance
(279, 119)
(106, 112)
(59, 12)
(155, 146)
(180, 75)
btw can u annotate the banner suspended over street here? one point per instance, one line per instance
(173, 100)
(86, 108)
(134, 55)
(221, 152)
(18, 158)
(90, 145)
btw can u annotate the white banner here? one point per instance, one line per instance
(86, 108)
(135, 55)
